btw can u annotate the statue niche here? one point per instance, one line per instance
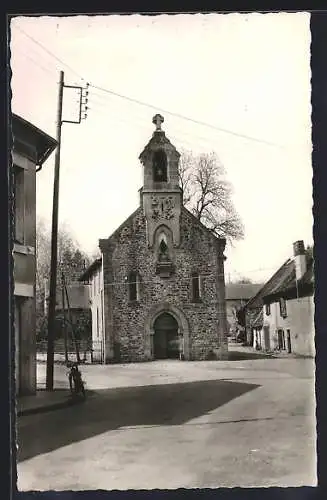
(159, 166)
(164, 265)
(163, 252)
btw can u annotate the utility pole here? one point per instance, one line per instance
(64, 316)
(54, 231)
(54, 245)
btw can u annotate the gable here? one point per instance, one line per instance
(201, 227)
(128, 223)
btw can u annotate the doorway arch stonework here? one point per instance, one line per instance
(183, 327)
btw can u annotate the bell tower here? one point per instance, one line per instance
(161, 195)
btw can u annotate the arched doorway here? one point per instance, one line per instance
(165, 338)
(183, 331)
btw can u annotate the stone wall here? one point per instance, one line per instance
(127, 338)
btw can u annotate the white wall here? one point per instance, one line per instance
(96, 300)
(300, 322)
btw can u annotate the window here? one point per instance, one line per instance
(133, 286)
(159, 165)
(282, 307)
(267, 307)
(97, 323)
(289, 345)
(281, 340)
(195, 287)
(18, 204)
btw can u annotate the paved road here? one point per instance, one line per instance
(175, 425)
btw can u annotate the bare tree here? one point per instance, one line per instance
(208, 194)
(70, 258)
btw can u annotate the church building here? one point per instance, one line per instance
(158, 289)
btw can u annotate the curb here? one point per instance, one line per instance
(54, 406)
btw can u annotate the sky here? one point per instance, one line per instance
(245, 77)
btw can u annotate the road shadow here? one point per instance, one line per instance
(240, 356)
(110, 409)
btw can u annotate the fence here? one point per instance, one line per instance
(88, 351)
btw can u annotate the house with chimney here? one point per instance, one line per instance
(280, 317)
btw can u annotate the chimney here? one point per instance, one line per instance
(300, 259)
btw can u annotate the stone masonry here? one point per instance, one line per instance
(163, 244)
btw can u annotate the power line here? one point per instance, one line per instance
(152, 282)
(50, 53)
(141, 103)
(200, 276)
(102, 112)
(34, 50)
(182, 117)
(98, 108)
(46, 70)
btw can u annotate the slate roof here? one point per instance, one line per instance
(287, 284)
(283, 283)
(158, 137)
(23, 130)
(90, 270)
(241, 291)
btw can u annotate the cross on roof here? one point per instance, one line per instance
(158, 120)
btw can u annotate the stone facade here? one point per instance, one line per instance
(161, 261)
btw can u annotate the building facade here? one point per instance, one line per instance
(31, 148)
(73, 312)
(237, 296)
(158, 290)
(286, 321)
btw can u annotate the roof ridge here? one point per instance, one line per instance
(288, 261)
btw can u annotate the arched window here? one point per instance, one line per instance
(133, 286)
(159, 165)
(195, 283)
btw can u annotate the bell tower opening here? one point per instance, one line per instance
(161, 195)
(159, 166)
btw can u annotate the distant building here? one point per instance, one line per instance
(237, 295)
(281, 315)
(94, 277)
(158, 290)
(31, 148)
(76, 312)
